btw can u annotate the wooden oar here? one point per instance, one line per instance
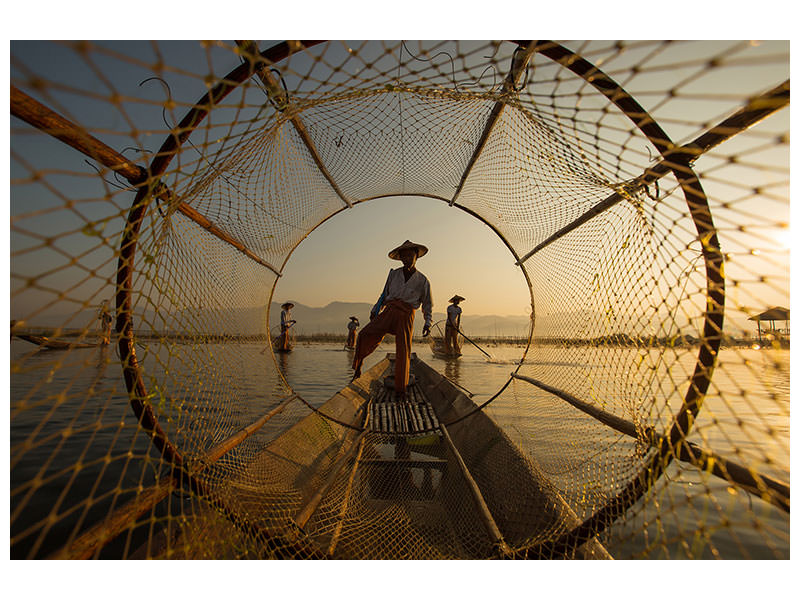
(474, 344)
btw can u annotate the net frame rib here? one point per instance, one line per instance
(767, 488)
(756, 110)
(95, 538)
(250, 51)
(518, 66)
(48, 121)
(697, 203)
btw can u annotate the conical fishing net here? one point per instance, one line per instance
(642, 188)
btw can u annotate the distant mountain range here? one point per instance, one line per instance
(332, 318)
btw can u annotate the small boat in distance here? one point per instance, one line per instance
(437, 343)
(281, 345)
(439, 350)
(277, 346)
(50, 344)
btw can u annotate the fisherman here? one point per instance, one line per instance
(405, 290)
(352, 327)
(105, 322)
(453, 326)
(286, 323)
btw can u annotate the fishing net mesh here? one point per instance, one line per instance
(181, 438)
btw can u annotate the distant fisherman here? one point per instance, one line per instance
(405, 290)
(105, 321)
(453, 325)
(286, 323)
(352, 327)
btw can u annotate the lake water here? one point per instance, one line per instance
(105, 457)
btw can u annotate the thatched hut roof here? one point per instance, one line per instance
(776, 313)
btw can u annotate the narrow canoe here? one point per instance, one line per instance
(365, 476)
(51, 344)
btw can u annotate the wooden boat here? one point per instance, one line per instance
(277, 344)
(446, 355)
(439, 349)
(45, 342)
(429, 477)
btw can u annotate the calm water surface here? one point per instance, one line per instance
(48, 395)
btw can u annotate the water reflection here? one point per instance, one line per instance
(83, 390)
(283, 363)
(452, 370)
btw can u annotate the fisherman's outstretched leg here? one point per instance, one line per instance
(368, 340)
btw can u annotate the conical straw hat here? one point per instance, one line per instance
(421, 250)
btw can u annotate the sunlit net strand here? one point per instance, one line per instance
(200, 359)
(617, 303)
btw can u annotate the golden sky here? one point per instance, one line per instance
(346, 258)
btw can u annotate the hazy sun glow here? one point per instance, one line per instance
(784, 238)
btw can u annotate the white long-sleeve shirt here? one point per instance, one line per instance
(414, 292)
(454, 315)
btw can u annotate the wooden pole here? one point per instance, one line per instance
(755, 110)
(480, 504)
(92, 540)
(771, 490)
(613, 421)
(509, 87)
(250, 50)
(34, 113)
(89, 543)
(311, 506)
(348, 491)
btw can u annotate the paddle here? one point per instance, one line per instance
(474, 344)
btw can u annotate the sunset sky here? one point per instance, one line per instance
(346, 258)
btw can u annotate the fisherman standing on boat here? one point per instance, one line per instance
(352, 327)
(405, 290)
(105, 322)
(453, 326)
(286, 323)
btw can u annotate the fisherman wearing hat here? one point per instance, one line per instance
(453, 325)
(405, 290)
(352, 326)
(105, 320)
(286, 323)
